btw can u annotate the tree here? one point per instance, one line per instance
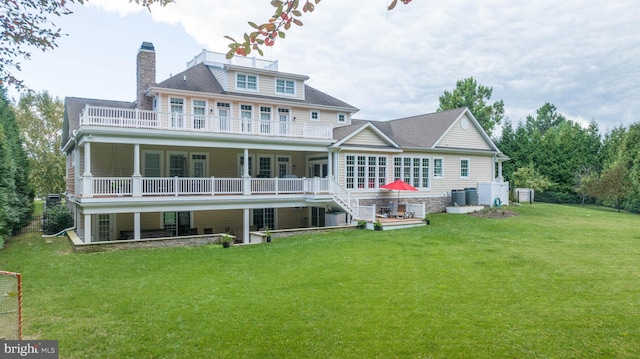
(27, 24)
(546, 119)
(16, 198)
(613, 185)
(468, 93)
(528, 177)
(40, 119)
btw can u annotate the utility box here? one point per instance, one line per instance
(525, 195)
(335, 218)
(52, 200)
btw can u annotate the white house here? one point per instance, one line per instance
(172, 163)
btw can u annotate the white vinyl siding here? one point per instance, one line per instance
(367, 137)
(469, 138)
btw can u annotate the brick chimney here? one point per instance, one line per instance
(145, 74)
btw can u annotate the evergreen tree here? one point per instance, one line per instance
(16, 198)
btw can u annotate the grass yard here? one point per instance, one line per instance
(554, 282)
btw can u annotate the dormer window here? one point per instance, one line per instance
(285, 87)
(247, 82)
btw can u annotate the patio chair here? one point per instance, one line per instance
(402, 211)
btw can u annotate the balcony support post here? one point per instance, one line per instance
(87, 228)
(136, 225)
(136, 178)
(246, 178)
(245, 226)
(87, 177)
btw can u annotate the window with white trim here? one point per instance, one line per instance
(438, 168)
(315, 116)
(342, 117)
(285, 87)
(366, 172)
(413, 170)
(247, 82)
(464, 168)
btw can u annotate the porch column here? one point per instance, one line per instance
(136, 178)
(245, 226)
(500, 178)
(136, 225)
(330, 164)
(87, 177)
(87, 228)
(246, 178)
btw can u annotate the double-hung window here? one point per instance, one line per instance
(366, 172)
(438, 168)
(285, 87)
(464, 168)
(413, 170)
(247, 82)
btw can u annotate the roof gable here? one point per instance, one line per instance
(363, 134)
(430, 131)
(465, 133)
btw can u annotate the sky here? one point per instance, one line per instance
(583, 57)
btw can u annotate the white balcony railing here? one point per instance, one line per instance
(210, 57)
(183, 186)
(141, 119)
(179, 186)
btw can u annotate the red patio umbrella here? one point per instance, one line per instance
(399, 185)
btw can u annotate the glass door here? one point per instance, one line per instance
(284, 122)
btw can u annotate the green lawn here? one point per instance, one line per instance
(554, 282)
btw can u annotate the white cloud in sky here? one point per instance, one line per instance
(583, 57)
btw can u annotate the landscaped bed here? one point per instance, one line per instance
(554, 282)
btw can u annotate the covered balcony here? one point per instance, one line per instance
(211, 186)
(152, 120)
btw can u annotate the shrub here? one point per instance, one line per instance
(57, 218)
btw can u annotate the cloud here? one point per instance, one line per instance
(583, 57)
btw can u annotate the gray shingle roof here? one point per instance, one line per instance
(200, 79)
(420, 131)
(197, 78)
